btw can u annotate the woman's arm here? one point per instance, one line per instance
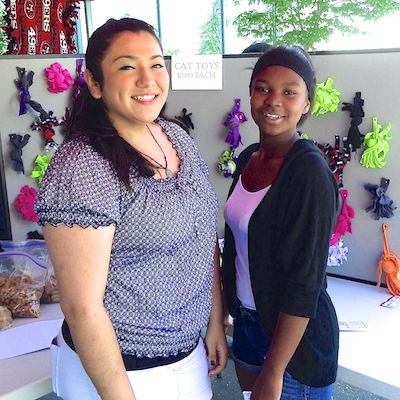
(81, 259)
(288, 333)
(217, 348)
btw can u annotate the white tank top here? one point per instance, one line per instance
(237, 212)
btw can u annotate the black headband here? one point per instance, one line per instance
(286, 57)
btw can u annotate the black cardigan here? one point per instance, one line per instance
(288, 246)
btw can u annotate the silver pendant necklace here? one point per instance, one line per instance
(168, 172)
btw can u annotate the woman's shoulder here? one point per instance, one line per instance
(78, 150)
(74, 147)
(77, 157)
(74, 187)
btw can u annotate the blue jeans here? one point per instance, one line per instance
(249, 348)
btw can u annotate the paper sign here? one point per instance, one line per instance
(352, 326)
(391, 302)
(197, 72)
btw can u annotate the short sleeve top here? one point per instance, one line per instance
(158, 291)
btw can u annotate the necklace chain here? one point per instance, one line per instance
(168, 172)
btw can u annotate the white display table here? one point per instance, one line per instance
(367, 359)
(27, 377)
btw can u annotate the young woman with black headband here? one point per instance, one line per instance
(279, 218)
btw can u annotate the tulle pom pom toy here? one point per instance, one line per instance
(327, 98)
(337, 254)
(59, 80)
(227, 163)
(24, 203)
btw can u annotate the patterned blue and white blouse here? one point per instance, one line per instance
(158, 292)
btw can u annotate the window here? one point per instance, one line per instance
(182, 28)
(99, 11)
(381, 34)
(233, 43)
(182, 34)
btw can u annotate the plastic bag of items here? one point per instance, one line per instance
(6, 320)
(22, 281)
(38, 249)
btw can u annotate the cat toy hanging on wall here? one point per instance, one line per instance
(327, 98)
(186, 119)
(337, 157)
(377, 146)
(18, 142)
(390, 264)
(357, 114)
(382, 205)
(23, 83)
(227, 160)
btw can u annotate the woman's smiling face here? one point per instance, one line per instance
(279, 98)
(136, 81)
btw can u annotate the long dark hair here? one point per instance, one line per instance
(89, 117)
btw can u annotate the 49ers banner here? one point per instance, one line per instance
(41, 26)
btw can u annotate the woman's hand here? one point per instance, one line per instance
(268, 386)
(215, 340)
(216, 347)
(288, 333)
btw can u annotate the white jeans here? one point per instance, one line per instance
(186, 379)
